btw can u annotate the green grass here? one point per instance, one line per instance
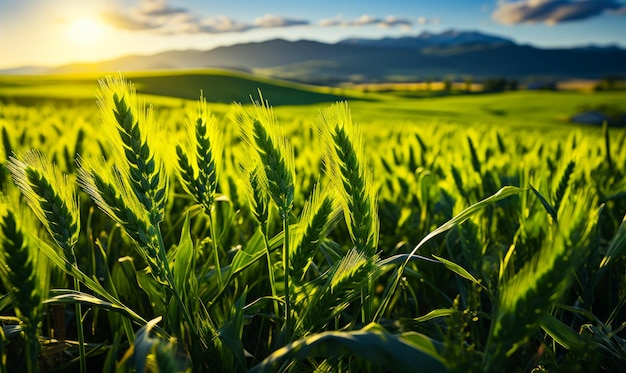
(477, 233)
(177, 88)
(185, 84)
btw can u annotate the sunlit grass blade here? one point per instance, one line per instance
(404, 352)
(146, 351)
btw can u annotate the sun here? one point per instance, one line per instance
(85, 31)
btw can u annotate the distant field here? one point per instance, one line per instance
(216, 85)
(372, 102)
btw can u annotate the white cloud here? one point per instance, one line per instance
(159, 16)
(274, 21)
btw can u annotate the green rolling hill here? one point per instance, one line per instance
(216, 85)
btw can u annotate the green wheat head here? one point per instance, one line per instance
(51, 196)
(199, 158)
(319, 303)
(135, 144)
(257, 196)
(132, 188)
(529, 294)
(319, 216)
(346, 164)
(18, 268)
(105, 185)
(272, 152)
(21, 274)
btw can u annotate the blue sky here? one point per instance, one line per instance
(40, 32)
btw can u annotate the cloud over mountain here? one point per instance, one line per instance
(553, 11)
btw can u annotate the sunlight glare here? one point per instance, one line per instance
(85, 31)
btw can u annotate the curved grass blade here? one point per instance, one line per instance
(404, 352)
(544, 202)
(503, 193)
(459, 271)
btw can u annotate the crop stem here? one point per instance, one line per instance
(288, 319)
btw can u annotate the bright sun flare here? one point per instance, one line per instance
(85, 31)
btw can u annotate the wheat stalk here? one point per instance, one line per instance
(198, 170)
(349, 172)
(134, 191)
(106, 187)
(346, 164)
(53, 199)
(275, 174)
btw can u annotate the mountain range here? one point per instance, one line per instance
(450, 54)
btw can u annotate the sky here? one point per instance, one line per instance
(48, 33)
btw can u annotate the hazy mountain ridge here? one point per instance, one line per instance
(426, 39)
(450, 54)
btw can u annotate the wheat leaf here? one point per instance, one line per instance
(551, 210)
(459, 270)
(404, 352)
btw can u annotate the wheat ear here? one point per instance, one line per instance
(53, 199)
(319, 215)
(345, 163)
(19, 274)
(198, 168)
(276, 175)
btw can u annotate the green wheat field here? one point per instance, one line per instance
(264, 226)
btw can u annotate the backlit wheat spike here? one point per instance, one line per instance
(18, 272)
(132, 130)
(50, 195)
(319, 215)
(199, 169)
(107, 189)
(261, 133)
(256, 194)
(530, 293)
(276, 172)
(345, 162)
(343, 286)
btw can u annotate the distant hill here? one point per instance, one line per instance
(450, 54)
(180, 84)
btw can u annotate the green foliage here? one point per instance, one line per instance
(354, 242)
